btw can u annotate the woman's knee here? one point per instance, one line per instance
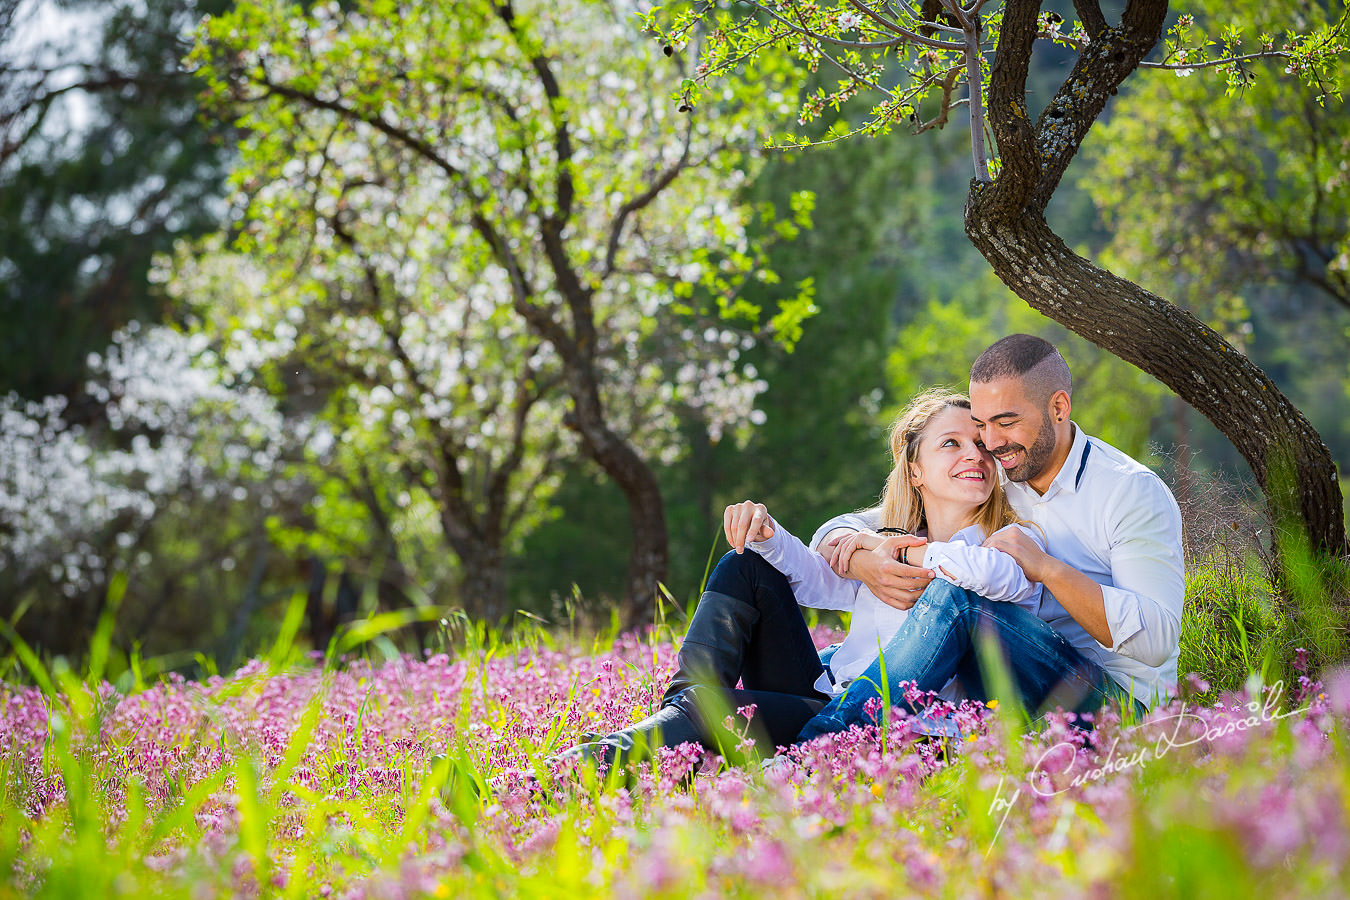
(735, 569)
(942, 593)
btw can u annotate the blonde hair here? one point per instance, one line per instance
(901, 502)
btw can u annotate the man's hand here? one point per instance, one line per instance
(890, 581)
(1080, 596)
(1015, 542)
(746, 522)
(841, 549)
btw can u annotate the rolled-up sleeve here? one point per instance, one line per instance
(857, 521)
(990, 573)
(813, 582)
(1144, 603)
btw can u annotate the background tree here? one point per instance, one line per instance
(103, 163)
(125, 497)
(906, 55)
(1245, 216)
(498, 239)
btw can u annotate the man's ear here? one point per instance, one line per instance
(1061, 406)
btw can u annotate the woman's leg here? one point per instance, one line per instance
(747, 628)
(939, 639)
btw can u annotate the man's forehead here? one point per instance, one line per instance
(990, 398)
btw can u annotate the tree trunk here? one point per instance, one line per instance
(1180, 351)
(483, 581)
(482, 578)
(649, 552)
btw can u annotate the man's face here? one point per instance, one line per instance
(1017, 431)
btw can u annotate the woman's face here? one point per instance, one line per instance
(952, 466)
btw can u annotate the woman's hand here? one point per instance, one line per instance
(746, 522)
(890, 581)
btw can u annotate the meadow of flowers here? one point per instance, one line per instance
(418, 777)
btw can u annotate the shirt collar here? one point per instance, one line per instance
(1068, 478)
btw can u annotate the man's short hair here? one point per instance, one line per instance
(1028, 358)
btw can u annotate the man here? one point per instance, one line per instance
(1108, 628)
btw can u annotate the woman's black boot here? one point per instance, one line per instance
(714, 647)
(669, 726)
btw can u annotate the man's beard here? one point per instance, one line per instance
(1035, 458)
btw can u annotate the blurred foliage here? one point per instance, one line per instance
(1212, 189)
(1232, 201)
(104, 162)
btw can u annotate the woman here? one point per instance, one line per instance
(748, 626)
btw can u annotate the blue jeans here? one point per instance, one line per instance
(939, 639)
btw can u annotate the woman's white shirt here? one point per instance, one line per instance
(962, 561)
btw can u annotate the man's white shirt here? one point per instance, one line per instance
(1114, 520)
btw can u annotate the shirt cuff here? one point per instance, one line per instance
(769, 544)
(1122, 616)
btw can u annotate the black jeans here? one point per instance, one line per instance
(778, 661)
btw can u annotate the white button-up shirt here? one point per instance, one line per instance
(988, 572)
(1114, 520)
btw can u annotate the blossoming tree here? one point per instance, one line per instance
(119, 483)
(489, 243)
(922, 61)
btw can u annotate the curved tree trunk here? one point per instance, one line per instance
(649, 552)
(1005, 221)
(1183, 353)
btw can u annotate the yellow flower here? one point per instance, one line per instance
(877, 791)
(992, 704)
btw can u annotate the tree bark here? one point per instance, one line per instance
(483, 580)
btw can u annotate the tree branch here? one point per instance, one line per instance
(948, 86)
(523, 292)
(974, 85)
(525, 400)
(576, 293)
(565, 189)
(1020, 170)
(905, 36)
(895, 27)
(1211, 63)
(635, 204)
(1101, 67)
(1090, 14)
